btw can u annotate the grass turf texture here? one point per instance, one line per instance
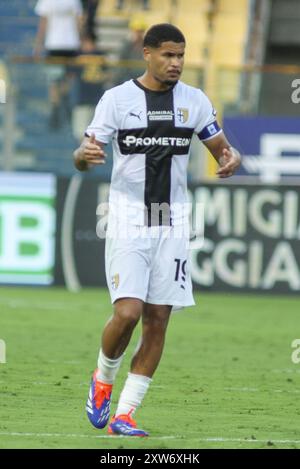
(226, 379)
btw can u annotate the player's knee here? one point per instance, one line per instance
(129, 317)
(128, 314)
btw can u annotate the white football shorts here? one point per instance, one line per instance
(149, 263)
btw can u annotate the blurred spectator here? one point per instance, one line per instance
(132, 50)
(90, 11)
(59, 35)
(59, 27)
(120, 4)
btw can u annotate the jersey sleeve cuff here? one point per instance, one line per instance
(99, 139)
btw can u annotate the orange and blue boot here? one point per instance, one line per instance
(125, 425)
(98, 403)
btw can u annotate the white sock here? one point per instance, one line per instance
(108, 368)
(133, 393)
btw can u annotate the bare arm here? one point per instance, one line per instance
(89, 153)
(227, 157)
(40, 36)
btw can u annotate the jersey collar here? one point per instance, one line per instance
(147, 90)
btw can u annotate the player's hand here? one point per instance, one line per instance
(229, 162)
(92, 151)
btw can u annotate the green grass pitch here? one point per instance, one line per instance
(226, 379)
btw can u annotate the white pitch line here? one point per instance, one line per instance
(245, 389)
(75, 435)
(285, 370)
(247, 440)
(15, 304)
(170, 437)
(62, 381)
(283, 391)
(69, 383)
(286, 391)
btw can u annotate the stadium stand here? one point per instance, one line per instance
(211, 28)
(34, 147)
(17, 27)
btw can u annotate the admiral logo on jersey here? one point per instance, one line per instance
(160, 115)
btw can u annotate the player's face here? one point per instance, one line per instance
(165, 63)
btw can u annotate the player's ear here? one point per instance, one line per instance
(147, 54)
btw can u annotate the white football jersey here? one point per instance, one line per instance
(151, 133)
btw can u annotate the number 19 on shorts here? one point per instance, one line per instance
(180, 272)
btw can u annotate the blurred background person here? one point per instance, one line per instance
(132, 50)
(90, 83)
(59, 27)
(90, 12)
(58, 36)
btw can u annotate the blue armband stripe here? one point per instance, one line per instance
(209, 131)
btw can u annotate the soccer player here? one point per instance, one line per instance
(151, 121)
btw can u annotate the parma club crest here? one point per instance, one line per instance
(182, 114)
(115, 280)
